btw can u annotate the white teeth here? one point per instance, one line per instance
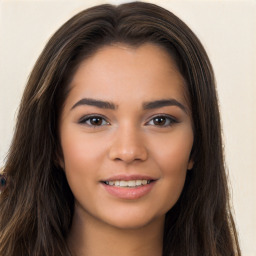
(123, 183)
(129, 183)
(144, 182)
(138, 182)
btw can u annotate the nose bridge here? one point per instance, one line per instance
(128, 144)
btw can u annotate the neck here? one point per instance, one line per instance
(91, 237)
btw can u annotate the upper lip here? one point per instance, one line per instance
(129, 177)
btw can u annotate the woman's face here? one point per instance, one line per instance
(126, 135)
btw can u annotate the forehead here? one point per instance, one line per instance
(120, 72)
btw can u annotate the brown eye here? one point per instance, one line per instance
(159, 121)
(94, 121)
(162, 121)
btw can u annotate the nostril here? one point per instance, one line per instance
(127, 150)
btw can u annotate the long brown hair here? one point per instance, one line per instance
(36, 207)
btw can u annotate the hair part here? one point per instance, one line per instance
(36, 208)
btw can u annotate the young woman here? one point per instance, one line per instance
(118, 149)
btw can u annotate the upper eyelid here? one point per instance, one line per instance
(172, 120)
(86, 117)
(162, 115)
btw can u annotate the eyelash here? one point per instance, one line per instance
(167, 118)
(171, 120)
(89, 118)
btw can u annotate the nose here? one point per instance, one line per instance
(128, 146)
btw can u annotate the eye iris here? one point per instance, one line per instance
(96, 121)
(159, 120)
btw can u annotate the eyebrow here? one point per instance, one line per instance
(95, 103)
(164, 103)
(146, 106)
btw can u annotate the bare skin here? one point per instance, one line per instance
(126, 136)
(101, 239)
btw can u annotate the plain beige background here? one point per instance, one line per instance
(228, 31)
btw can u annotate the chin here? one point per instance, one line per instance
(129, 224)
(132, 220)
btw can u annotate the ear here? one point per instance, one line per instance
(59, 160)
(190, 164)
(61, 163)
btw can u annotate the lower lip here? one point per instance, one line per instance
(129, 193)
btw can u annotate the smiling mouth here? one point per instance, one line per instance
(130, 187)
(128, 183)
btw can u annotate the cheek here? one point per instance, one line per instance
(173, 161)
(80, 149)
(80, 165)
(82, 157)
(172, 152)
